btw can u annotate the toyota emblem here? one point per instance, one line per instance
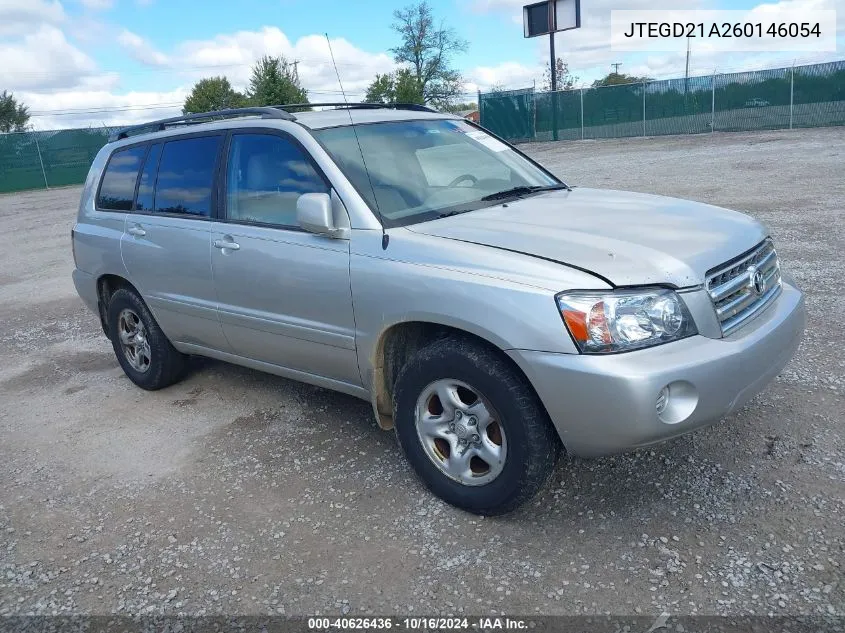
(756, 280)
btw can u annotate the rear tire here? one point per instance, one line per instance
(143, 351)
(511, 455)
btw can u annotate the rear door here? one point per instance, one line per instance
(99, 230)
(284, 294)
(166, 244)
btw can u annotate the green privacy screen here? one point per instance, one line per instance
(783, 98)
(512, 111)
(30, 160)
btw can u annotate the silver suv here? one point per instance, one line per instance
(490, 313)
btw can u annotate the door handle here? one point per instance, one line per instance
(137, 231)
(227, 245)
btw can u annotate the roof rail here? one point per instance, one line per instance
(192, 119)
(361, 105)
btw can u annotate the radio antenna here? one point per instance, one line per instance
(385, 238)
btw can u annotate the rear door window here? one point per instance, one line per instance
(185, 182)
(117, 190)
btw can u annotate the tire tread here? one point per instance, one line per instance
(542, 441)
(168, 365)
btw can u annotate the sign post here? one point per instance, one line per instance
(549, 17)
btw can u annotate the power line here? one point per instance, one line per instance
(96, 109)
(148, 106)
(168, 105)
(181, 69)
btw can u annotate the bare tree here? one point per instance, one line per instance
(427, 48)
(565, 79)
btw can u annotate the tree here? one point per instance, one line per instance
(617, 79)
(275, 81)
(397, 87)
(565, 79)
(462, 107)
(381, 90)
(427, 50)
(14, 116)
(213, 93)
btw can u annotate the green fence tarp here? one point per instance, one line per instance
(511, 116)
(803, 96)
(31, 160)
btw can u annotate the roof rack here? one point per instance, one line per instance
(192, 119)
(360, 105)
(266, 112)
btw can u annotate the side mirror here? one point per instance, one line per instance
(314, 213)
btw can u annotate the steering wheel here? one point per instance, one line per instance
(463, 177)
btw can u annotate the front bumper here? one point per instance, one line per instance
(607, 404)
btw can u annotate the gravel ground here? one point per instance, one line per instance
(236, 492)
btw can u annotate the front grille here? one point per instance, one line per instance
(742, 287)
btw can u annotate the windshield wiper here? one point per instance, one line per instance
(521, 190)
(448, 214)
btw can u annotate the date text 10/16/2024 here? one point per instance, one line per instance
(418, 623)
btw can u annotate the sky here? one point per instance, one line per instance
(81, 63)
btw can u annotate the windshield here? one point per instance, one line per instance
(421, 170)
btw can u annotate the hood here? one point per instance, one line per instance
(626, 238)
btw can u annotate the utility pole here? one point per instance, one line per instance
(296, 69)
(616, 66)
(791, 93)
(686, 74)
(553, 72)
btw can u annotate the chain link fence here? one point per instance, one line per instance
(783, 98)
(38, 160)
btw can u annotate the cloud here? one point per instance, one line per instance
(97, 5)
(233, 55)
(587, 50)
(588, 46)
(507, 74)
(22, 16)
(86, 108)
(141, 50)
(44, 61)
(63, 79)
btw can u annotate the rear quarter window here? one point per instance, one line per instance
(117, 190)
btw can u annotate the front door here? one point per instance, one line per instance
(166, 245)
(284, 294)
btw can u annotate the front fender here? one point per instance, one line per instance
(393, 287)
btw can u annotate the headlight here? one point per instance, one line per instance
(607, 322)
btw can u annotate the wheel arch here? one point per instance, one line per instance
(399, 341)
(107, 285)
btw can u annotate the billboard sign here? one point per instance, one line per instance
(542, 18)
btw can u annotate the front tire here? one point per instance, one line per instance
(472, 427)
(143, 351)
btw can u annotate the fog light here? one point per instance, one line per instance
(662, 400)
(676, 402)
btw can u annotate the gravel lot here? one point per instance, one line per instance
(236, 492)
